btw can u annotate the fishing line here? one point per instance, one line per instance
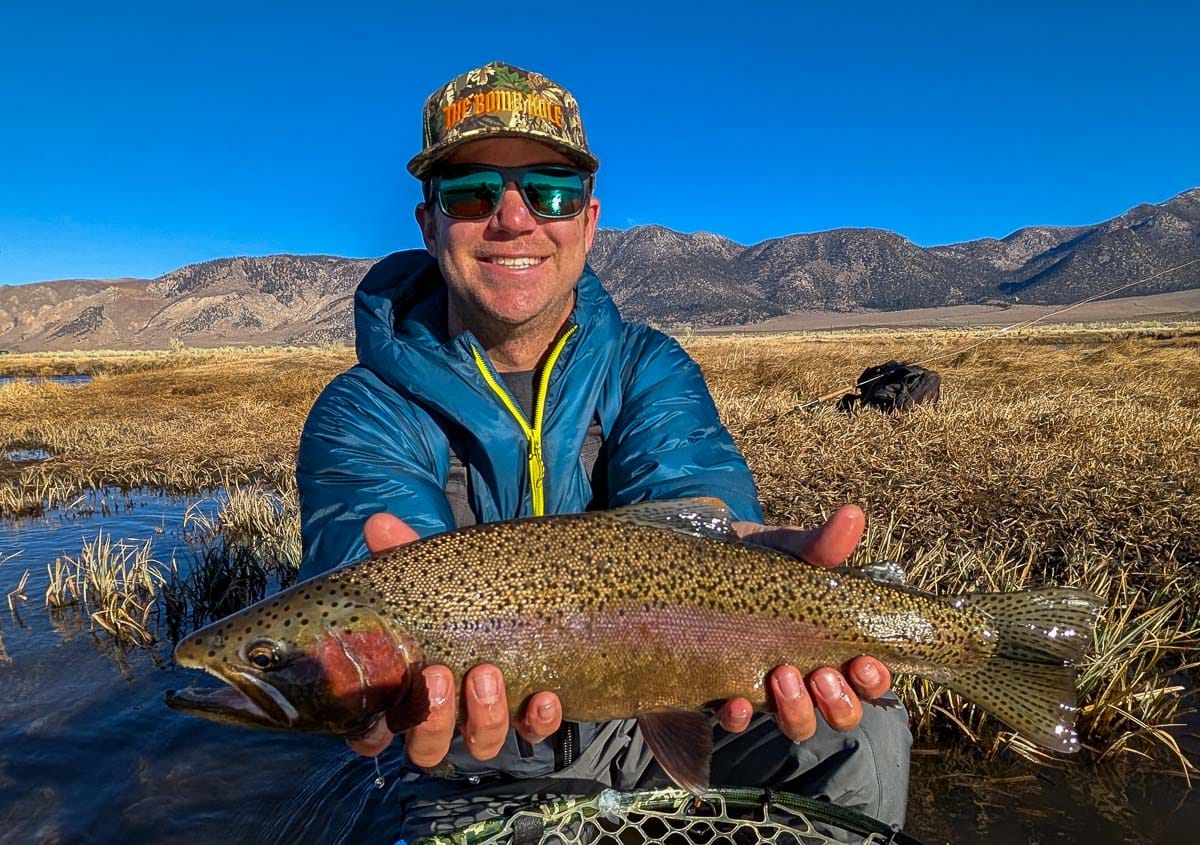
(1024, 324)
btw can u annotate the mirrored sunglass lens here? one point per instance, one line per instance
(470, 194)
(553, 192)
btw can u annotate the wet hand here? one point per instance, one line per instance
(487, 723)
(835, 693)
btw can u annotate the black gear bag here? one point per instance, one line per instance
(894, 386)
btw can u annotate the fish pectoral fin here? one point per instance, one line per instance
(700, 516)
(681, 741)
(411, 707)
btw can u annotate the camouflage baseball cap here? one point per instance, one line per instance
(501, 101)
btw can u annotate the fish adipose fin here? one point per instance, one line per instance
(1029, 680)
(681, 741)
(701, 516)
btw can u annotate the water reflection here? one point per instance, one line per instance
(71, 380)
(24, 456)
(1011, 802)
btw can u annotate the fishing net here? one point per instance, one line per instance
(675, 817)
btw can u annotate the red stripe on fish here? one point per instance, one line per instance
(362, 667)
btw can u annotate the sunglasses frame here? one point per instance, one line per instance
(512, 175)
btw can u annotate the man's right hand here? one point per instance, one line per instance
(487, 707)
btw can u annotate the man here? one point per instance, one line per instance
(497, 380)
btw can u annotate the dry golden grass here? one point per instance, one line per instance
(1063, 458)
(190, 422)
(116, 584)
(1066, 455)
(251, 543)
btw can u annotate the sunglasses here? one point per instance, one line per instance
(473, 191)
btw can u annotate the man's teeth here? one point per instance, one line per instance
(515, 263)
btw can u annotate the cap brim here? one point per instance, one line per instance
(422, 164)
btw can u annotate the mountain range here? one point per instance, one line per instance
(654, 274)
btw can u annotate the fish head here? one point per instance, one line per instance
(302, 660)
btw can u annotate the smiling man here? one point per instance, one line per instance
(497, 380)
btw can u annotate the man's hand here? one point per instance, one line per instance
(827, 545)
(487, 706)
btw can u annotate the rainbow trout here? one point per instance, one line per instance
(654, 611)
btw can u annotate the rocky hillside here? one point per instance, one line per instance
(654, 274)
(230, 301)
(657, 274)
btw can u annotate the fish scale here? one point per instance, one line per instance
(652, 611)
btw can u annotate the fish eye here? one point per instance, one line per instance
(263, 655)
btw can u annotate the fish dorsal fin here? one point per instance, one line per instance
(700, 516)
(681, 742)
(883, 571)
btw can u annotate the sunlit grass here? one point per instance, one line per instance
(17, 594)
(186, 422)
(251, 543)
(1054, 460)
(116, 583)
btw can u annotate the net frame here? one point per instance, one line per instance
(676, 817)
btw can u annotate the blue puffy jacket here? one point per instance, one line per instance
(381, 435)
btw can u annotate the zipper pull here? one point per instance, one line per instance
(537, 474)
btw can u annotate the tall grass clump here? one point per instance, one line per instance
(252, 542)
(116, 584)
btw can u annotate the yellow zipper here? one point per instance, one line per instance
(537, 465)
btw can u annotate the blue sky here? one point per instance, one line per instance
(138, 137)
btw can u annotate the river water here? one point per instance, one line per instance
(73, 380)
(89, 752)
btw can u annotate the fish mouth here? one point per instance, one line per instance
(244, 700)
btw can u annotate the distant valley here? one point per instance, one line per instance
(654, 274)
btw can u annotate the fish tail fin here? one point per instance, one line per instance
(1028, 681)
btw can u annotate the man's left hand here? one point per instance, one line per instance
(837, 695)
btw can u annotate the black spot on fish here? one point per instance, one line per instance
(212, 654)
(353, 618)
(287, 623)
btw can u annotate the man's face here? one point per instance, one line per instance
(477, 256)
